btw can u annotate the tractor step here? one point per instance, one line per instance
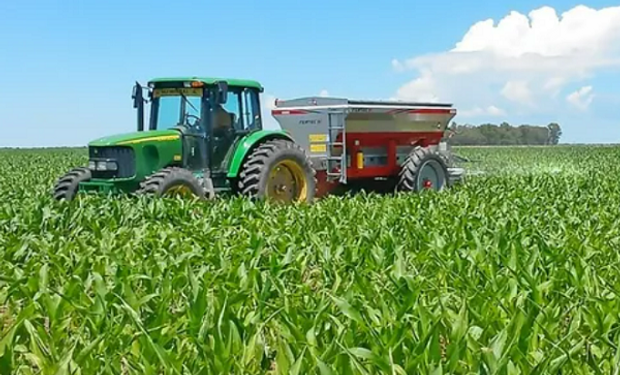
(207, 185)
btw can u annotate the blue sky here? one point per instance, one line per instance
(67, 67)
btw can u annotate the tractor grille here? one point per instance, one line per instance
(123, 156)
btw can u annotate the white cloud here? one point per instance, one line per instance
(268, 103)
(494, 111)
(520, 62)
(324, 93)
(420, 89)
(554, 85)
(517, 91)
(478, 111)
(581, 98)
(398, 66)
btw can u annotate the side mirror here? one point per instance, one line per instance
(138, 102)
(222, 92)
(136, 95)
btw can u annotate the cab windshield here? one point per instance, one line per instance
(177, 107)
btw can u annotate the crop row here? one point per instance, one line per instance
(514, 272)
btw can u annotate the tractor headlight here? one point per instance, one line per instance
(111, 166)
(102, 165)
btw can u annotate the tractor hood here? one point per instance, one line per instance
(137, 138)
(140, 155)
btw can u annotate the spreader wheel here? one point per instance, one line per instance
(423, 169)
(67, 186)
(278, 170)
(171, 182)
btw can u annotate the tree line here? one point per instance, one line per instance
(504, 134)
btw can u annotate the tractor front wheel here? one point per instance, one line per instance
(67, 186)
(278, 170)
(423, 170)
(170, 182)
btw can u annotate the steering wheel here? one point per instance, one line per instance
(196, 122)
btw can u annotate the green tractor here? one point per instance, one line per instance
(204, 136)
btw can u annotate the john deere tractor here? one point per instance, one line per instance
(204, 136)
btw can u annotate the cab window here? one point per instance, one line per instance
(233, 107)
(251, 110)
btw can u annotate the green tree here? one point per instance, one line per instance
(554, 133)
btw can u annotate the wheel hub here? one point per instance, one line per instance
(286, 182)
(431, 176)
(178, 190)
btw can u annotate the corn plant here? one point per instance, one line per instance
(514, 272)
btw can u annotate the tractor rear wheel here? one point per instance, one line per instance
(424, 169)
(170, 182)
(278, 170)
(67, 186)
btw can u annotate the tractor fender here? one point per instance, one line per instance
(248, 143)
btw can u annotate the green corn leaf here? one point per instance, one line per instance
(515, 271)
(347, 309)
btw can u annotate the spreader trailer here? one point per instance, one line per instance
(385, 144)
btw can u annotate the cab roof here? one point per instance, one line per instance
(211, 81)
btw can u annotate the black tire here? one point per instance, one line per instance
(283, 155)
(411, 176)
(167, 179)
(66, 187)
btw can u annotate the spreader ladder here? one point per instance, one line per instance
(335, 126)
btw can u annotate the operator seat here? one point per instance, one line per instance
(223, 133)
(224, 120)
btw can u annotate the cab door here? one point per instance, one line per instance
(195, 150)
(195, 153)
(238, 117)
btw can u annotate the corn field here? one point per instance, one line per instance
(514, 272)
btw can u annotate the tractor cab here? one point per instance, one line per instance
(211, 116)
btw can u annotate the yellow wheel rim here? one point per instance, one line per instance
(179, 190)
(287, 182)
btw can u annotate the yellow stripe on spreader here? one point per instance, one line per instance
(318, 148)
(317, 137)
(159, 138)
